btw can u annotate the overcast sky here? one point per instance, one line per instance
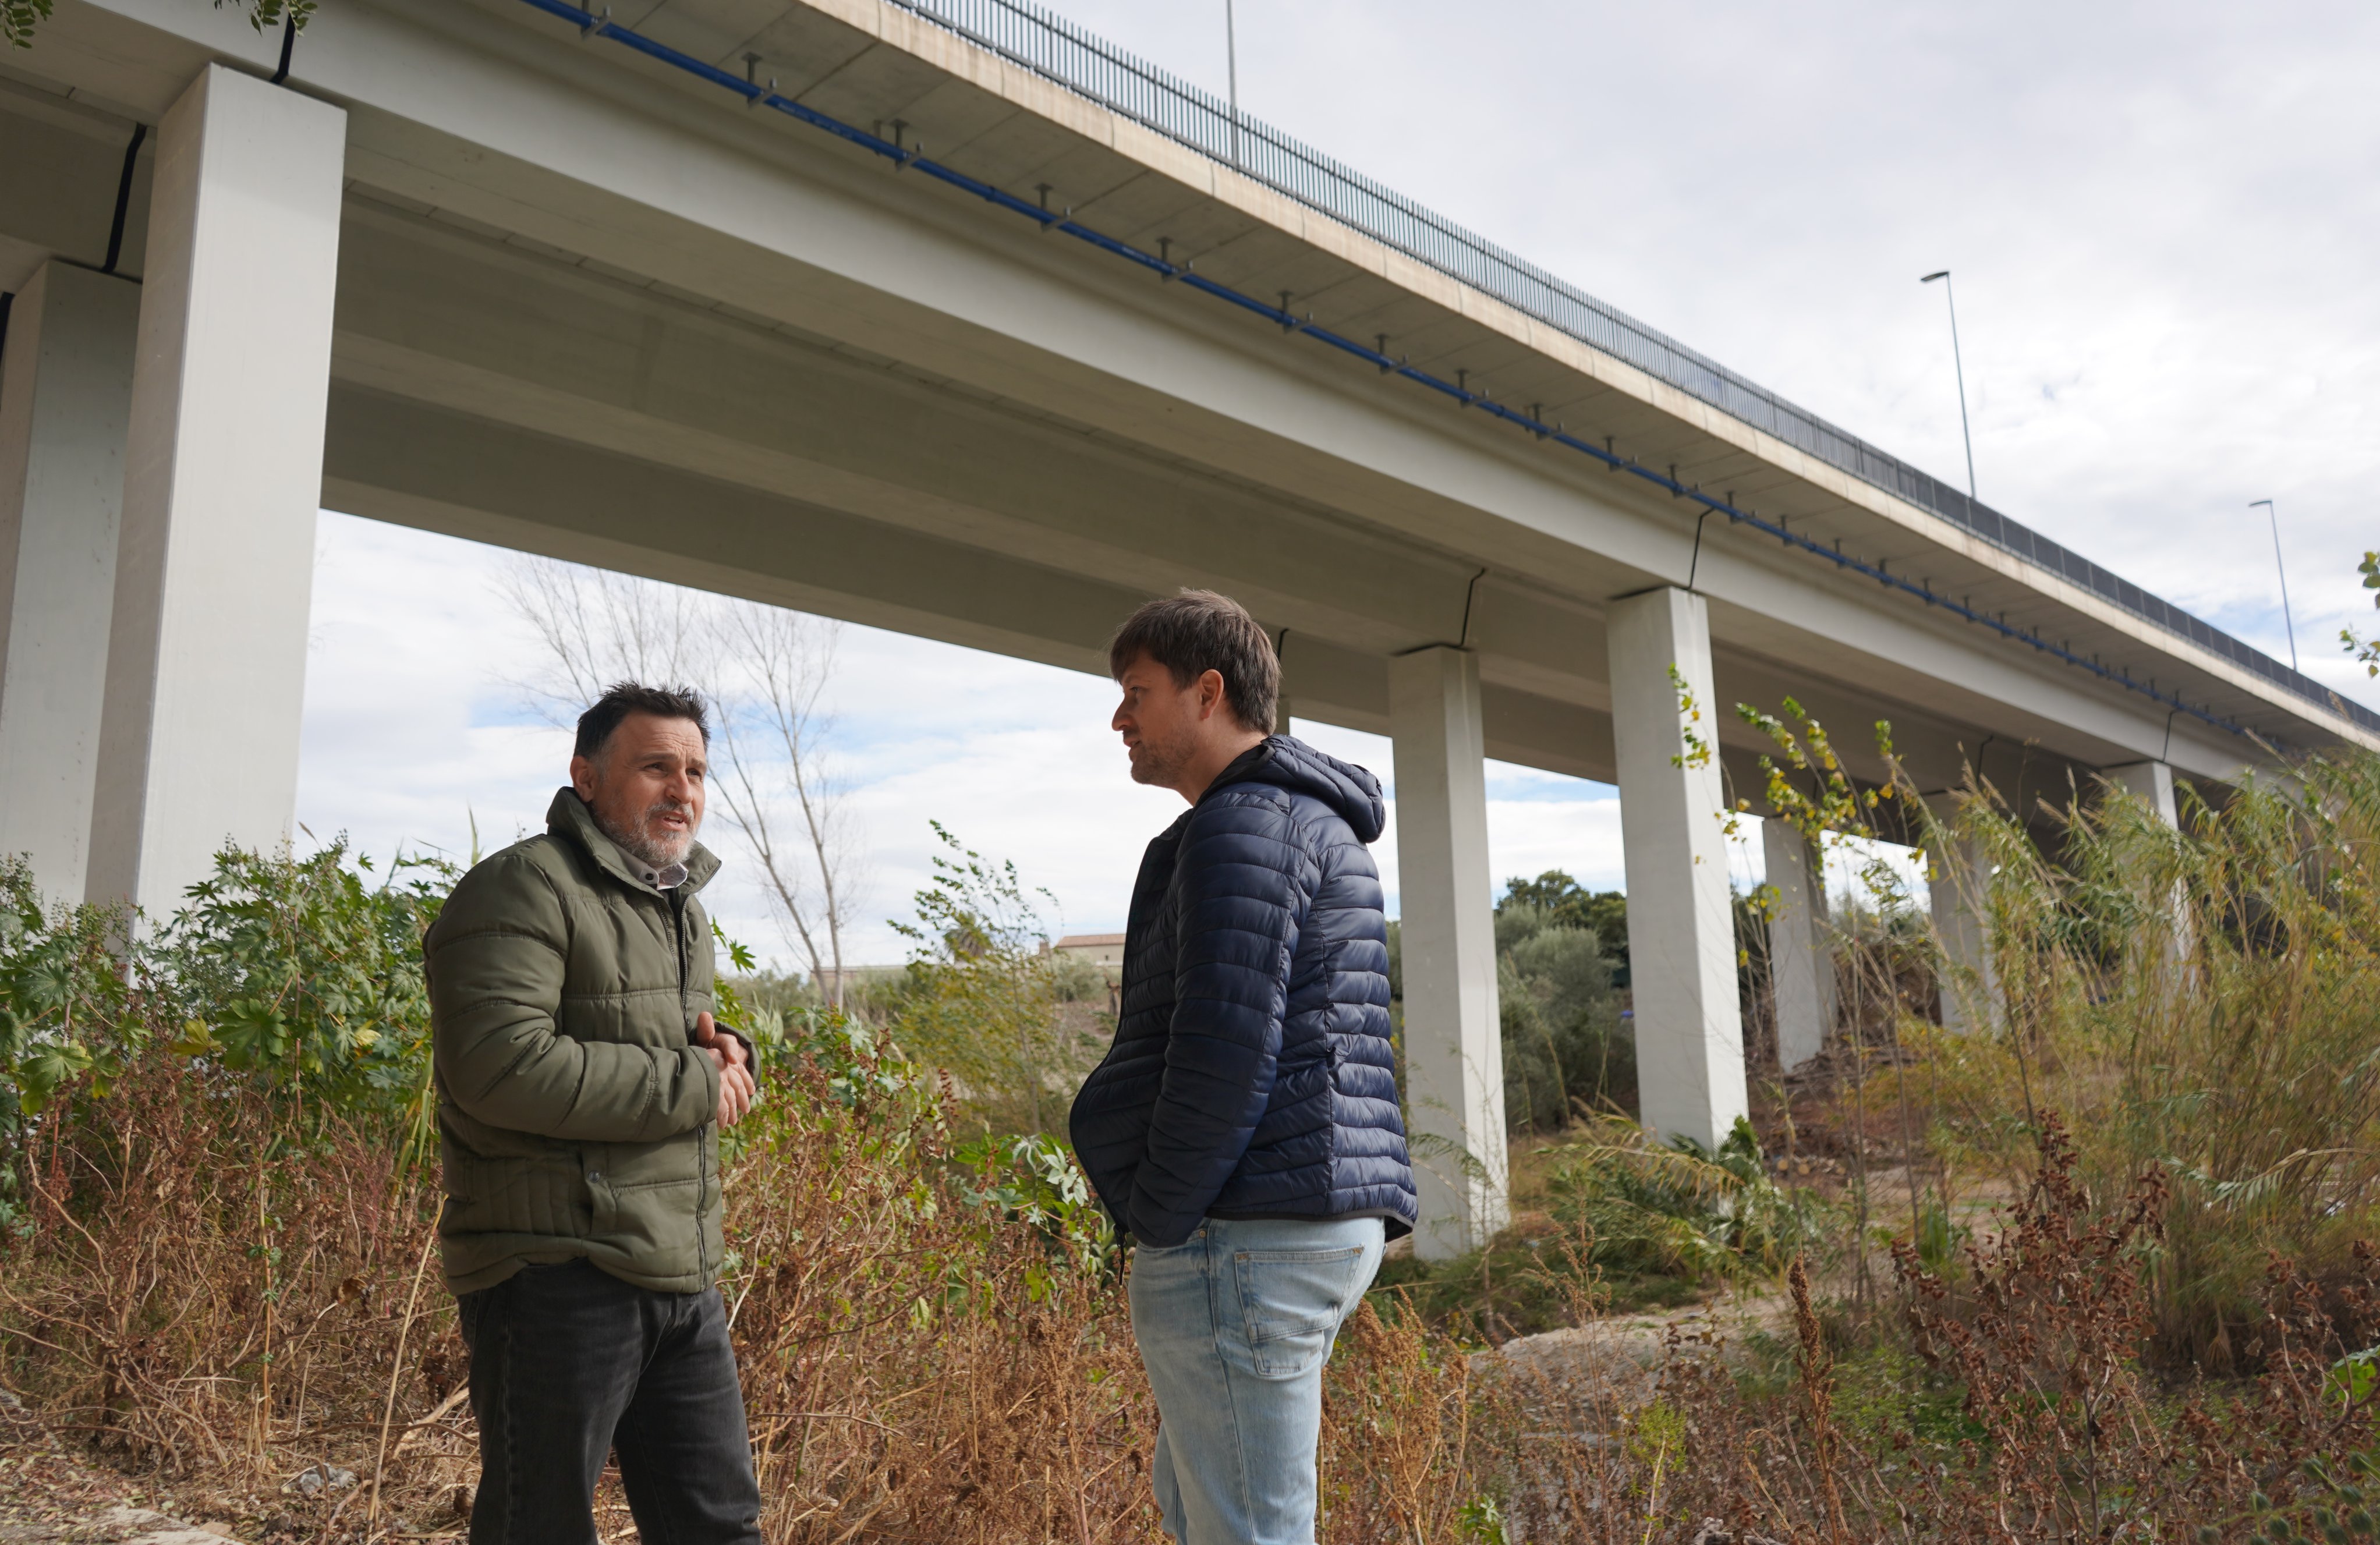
(2161, 219)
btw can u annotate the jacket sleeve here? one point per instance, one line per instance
(494, 959)
(1242, 896)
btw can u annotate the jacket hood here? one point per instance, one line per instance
(569, 819)
(1287, 762)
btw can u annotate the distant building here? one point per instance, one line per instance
(852, 977)
(1100, 949)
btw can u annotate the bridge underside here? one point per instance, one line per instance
(517, 398)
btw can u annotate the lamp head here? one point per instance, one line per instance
(1939, 273)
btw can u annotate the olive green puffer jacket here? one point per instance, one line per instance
(576, 1116)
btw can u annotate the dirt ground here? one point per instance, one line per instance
(47, 1495)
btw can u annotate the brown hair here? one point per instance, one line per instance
(1200, 631)
(595, 726)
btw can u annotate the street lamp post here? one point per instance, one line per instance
(1960, 370)
(2282, 570)
(1231, 51)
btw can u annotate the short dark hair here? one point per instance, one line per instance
(1198, 631)
(624, 698)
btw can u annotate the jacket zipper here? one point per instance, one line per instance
(702, 1149)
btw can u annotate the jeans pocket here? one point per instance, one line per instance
(1292, 1302)
(1197, 1239)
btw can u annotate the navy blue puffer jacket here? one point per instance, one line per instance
(1252, 1075)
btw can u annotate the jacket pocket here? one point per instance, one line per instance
(658, 1227)
(1292, 1303)
(603, 1216)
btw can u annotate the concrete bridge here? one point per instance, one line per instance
(942, 316)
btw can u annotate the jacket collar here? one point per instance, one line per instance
(1242, 767)
(569, 819)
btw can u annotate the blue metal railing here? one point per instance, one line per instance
(1067, 56)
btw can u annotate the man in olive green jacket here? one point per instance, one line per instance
(582, 1083)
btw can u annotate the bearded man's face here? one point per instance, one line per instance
(645, 786)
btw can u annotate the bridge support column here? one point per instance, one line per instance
(65, 387)
(2153, 781)
(1959, 878)
(1681, 920)
(206, 663)
(1801, 944)
(1454, 1050)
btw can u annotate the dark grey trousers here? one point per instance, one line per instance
(569, 1364)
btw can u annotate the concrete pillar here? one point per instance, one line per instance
(1680, 923)
(1454, 1050)
(2153, 781)
(1959, 878)
(206, 665)
(1801, 944)
(66, 389)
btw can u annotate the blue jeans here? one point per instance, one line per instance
(1234, 1325)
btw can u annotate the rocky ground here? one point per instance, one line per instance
(1623, 1351)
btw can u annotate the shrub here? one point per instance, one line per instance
(1680, 1209)
(1564, 1047)
(982, 1000)
(2200, 1000)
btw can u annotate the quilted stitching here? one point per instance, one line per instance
(1252, 1069)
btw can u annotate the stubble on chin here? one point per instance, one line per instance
(1154, 769)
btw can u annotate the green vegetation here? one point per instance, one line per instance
(2199, 1003)
(298, 978)
(1566, 1050)
(986, 1002)
(1614, 1220)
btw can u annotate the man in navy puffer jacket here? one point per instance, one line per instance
(1244, 1128)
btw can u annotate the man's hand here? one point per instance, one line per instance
(736, 1091)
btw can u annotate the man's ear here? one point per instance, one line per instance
(582, 777)
(1211, 693)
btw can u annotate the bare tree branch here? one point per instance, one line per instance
(764, 670)
(790, 657)
(599, 627)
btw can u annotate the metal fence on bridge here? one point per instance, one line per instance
(1058, 51)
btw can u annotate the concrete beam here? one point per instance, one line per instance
(1454, 1052)
(206, 664)
(1681, 922)
(1801, 944)
(65, 390)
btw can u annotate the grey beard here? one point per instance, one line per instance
(657, 852)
